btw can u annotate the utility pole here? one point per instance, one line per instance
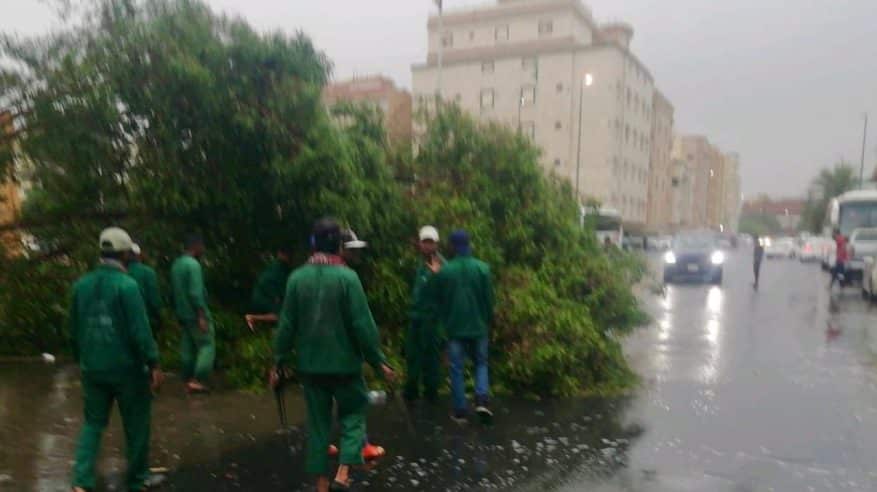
(864, 143)
(441, 52)
(587, 81)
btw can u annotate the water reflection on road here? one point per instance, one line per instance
(742, 391)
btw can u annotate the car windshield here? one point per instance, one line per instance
(693, 242)
(857, 214)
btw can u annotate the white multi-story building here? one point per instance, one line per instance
(546, 68)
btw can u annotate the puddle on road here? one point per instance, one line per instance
(230, 441)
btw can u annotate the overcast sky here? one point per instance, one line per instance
(786, 87)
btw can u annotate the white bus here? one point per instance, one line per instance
(606, 222)
(848, 212)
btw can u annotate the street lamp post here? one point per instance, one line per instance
(587, 81)
(864, 142)
(441, 50)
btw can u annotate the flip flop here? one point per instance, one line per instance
(337, 486)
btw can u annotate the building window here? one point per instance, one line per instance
(560, 87)
(546, 27)
(528, 129)
(458, 98)
(448, 40)
(530, 65)
(528, 95)
(557, 162)
(558, 125)
(471, 35)
(502, 33)
(487, 67)
(487, 98)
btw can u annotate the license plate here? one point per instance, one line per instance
(693, 268)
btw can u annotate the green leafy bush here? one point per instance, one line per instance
(162, 117)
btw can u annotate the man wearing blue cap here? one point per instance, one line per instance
(463, 293)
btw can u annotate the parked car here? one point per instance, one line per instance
(813, 249)
(782, 247)
(863, 244)
(694, 257)
(660, 243)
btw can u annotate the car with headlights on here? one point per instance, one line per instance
(694, 257)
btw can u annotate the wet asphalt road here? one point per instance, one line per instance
(742, 391)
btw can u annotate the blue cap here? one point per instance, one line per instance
(460, 240)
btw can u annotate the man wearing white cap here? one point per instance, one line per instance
(422, 339)
(147, 279)
(113, 344)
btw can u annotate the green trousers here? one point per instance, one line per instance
(134, 397)
(197, 352)
(422, 359)
(349, 394)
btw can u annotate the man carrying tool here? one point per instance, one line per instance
(118, 357)
(326, 318)
(197, 344)
(148, 281)
(422, 338)
(463, 292)
(270, 289)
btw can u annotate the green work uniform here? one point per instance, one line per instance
(148, 281)
(270, 288)
(113, 344)
(326, 318)
(422, 340)
(197, 348)
(463, 293)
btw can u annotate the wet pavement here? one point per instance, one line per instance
(773, 390)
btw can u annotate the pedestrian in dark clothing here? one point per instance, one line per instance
(463, 292)
(758, 255)
(270, 288)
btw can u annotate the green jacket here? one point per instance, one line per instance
(108, 324)
(270, 288)
(422, 304)
(326, 317)
(463, 293)
(148, 282)
(189, 293)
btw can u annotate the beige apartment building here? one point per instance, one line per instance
(660, 203)
(715, 182)
(549, 70)
(732, 191)
(682, 195)
(394, 103)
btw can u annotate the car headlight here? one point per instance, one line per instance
(717, 258)
(670, 258)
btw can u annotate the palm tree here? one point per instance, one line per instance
(829, 183)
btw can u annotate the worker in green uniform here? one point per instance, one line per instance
(422, 338)
(197, 344)
(326, 318)
(118, 359)
(148, 281)
(270, 288)
(463, 292)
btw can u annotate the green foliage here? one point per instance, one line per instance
(760, 225)
(828, 184)
(162, 117)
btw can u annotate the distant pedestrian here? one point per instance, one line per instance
(118, 359)
(464, 296)
(327, 320)
(842, 256)
(270, 288)
(197, 344)
(757, 257)
(147, 279)
(422, 341)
